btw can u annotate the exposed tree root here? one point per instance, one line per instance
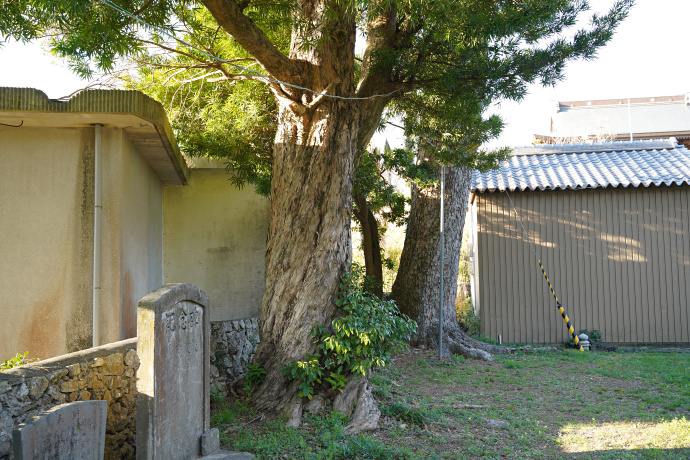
(457, 342)
(357, 401)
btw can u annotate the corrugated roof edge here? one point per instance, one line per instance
(499, 180)
(553, 189)
(596, 103)
(101, 101)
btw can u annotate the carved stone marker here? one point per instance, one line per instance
(173, 329)
(174, 342)
(72, 431)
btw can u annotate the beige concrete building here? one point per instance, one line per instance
(224, 255)
(620, 119)
(160, 221)
(610, 223)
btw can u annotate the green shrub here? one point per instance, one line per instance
(391, 263)
(17, 361)
(255, 377)
(464, 267)
(362, 339)
(593, 334)
(470, 322)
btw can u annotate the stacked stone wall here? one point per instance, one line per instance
(233, 344)
(104, 373)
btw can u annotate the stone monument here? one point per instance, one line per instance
(173, 410)
(72, 431)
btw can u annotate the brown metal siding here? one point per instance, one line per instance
(618, 259)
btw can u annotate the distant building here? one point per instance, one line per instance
(615, 119)
(611, 224)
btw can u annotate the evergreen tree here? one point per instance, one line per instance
(439, 63)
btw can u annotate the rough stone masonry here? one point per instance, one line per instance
(103, 373)
(233, 344)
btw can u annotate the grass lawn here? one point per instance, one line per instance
(546, 405)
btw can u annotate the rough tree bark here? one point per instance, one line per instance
(371, 245)
(309, 237)
(309, 241)
(417, 284)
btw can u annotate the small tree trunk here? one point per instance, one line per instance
(417, 284)
(371, 245)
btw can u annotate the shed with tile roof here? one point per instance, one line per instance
(611, 225)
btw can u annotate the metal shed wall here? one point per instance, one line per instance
(619, 261)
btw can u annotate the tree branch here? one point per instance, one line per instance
(423, 56)
(235, 77)
(173, 50)
(380, 36)
(143, 8)
(317, 100)
(228, 14)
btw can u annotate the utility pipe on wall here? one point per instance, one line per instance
(96, 302)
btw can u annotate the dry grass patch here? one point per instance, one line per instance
(672, 434)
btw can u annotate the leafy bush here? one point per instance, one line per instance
(362, 339)
(594, 334)
(17, 361)
(255, 377)
(391, 263)
(469, 321)
(464, 267)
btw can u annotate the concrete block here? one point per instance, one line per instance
(210, 441)
(74, 431)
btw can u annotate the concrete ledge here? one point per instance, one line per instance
(39, 368)
(143, 119)
(227, 455)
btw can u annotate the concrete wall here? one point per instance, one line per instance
(215, 238)
(141, 269)
(46, 223)
(618, 259)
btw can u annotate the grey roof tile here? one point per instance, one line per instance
(596, 165)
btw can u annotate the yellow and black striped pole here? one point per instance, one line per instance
(560, 309)
(558, 304)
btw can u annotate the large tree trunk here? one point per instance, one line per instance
(309, 244)
(316, 142)
(417, 284)
(371, 244)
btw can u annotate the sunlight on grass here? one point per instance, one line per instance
(625, 435)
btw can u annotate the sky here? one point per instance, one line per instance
(646, 58)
